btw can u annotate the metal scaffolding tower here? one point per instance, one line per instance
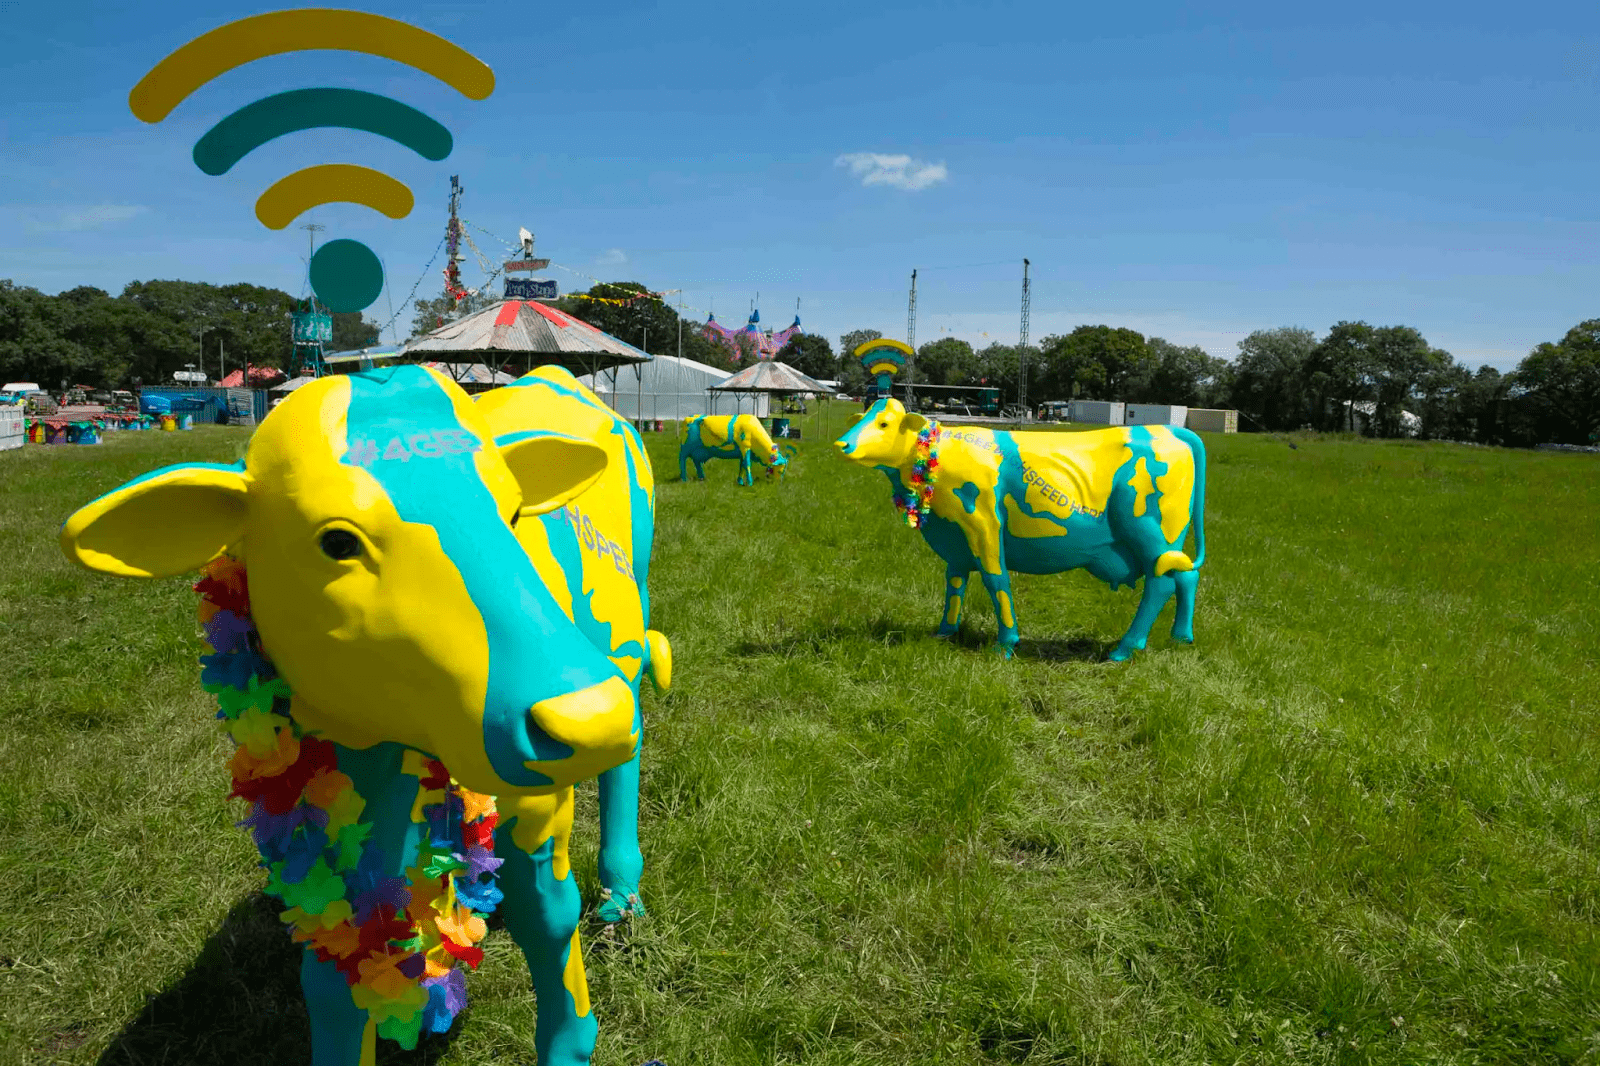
(911, 342)
(1022, 347)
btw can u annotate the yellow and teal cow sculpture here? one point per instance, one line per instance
(740, 437)
(416, 634)
(1116, 502)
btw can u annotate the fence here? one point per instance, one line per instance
(11, 427)
(210, 405)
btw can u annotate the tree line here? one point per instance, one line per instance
(1355, 377)
(1281, 379)
(86, 336)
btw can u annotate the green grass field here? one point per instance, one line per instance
(1357, 822)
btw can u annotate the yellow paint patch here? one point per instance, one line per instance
(957, 582)
(716, 430)
(1170, 561)
(1026, 525)
(1007, 619)
(575, 980)
(952, 609)
(1143, 488)
(1071, 471)
(1176, 485)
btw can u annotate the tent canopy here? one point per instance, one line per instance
(771, 376)
(526, 331)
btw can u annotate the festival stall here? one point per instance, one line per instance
(772, 378)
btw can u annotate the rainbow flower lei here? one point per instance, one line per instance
(915, 501)
(396, 940)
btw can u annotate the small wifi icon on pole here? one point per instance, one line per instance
(345, 274)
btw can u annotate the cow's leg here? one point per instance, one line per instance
(1157, 591)
(956, 580)
(621, 862)
(1005, 614)
(341, 1032)
(699, 469)
(541, 910)
(1183, 623)
(683, 465)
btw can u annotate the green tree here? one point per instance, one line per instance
(812, 355)
(351, 330)
(1181, 376)
(1339, 372)
(1559, 388)
(1268, 377)
(947, 361)
(1401, 362)
(1102, 362)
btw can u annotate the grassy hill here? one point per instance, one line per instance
(1355, 823)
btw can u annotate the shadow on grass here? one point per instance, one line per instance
(879, 631)
(239, 1003)
(1065, 650)
(890, 633)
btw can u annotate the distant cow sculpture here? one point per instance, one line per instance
(740, 437)
(399, 580)
(1116, 502)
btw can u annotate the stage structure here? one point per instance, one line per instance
(521, 331)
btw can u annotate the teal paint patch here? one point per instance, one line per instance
(389, 793)
(967, 493)
(535, 652)
(541, 911)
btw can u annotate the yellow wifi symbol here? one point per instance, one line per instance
(345, 274)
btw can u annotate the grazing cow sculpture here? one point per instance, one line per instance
(740, 437)
(1116, 502)
(399, 580)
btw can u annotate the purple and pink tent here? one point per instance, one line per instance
(750, 337)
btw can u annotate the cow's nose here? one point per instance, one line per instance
(595, 722)
(843, 446)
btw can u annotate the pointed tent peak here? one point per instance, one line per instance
(755, 316)
(795, 325)
(711, 317)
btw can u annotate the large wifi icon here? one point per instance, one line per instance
(345, 274)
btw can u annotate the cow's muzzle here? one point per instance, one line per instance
(595, 722)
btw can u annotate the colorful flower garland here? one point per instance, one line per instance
(915, 502)
(396, 940)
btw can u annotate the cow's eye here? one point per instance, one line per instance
(514, 516)
(340, 544)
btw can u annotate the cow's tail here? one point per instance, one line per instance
(1176, 559)
(1197, 503)
(658, 660)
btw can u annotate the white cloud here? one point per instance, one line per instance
(898, 171)
(76, 219)
(611, 257)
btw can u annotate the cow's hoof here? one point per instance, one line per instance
(1006, 650)
(1119, 654)
(1183, 637)
(615, 907)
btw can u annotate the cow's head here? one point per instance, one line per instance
(885, 437)
(374, 515)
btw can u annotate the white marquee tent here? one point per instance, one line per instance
(671, 388)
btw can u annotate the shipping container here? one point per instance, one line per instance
(1155, 414)
(1096, 412)
(1212, 420)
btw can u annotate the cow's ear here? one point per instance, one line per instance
(551, 468)
(168, 522)
(913, 422)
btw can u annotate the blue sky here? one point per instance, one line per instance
(1194, 174)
